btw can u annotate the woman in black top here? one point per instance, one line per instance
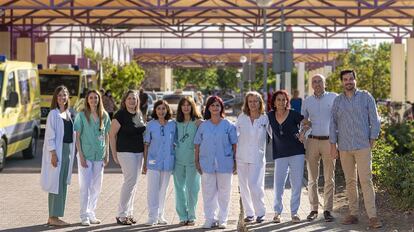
(127, 146)
(288, 153)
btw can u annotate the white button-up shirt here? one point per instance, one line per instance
(251, 147)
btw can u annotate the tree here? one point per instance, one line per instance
(227, 78)
(117, 78)
(202, 78)
(372, 65)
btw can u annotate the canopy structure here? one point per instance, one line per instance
(209, 20)
(218, 57)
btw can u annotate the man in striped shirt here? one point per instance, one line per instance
(354, 127)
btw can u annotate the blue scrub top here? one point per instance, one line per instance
(161, 145)
(216, 151)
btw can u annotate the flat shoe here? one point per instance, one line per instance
(57, 222)
(123, 221)
(249, 219)
(276, 218)
(312, 216)
(132, 220)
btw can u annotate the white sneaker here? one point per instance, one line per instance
(94, 221)
(162, 221)
(207, 225)
(222, 225)
(151, 222)
(86, 222)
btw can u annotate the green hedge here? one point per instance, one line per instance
(393, 163)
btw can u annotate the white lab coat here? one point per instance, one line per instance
(54, 141)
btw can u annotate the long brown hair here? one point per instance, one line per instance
(194, 114)
(246, 109)
(54, 103)
(99, 110)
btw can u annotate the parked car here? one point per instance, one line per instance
(175, 97)
(150, 107)
(152, 94)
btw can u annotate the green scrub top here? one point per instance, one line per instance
(185, 142)
(92, 138)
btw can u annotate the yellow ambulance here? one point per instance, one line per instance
(77, 81)
(19, 109)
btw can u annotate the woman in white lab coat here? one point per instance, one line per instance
(58, 155)
(252, 127)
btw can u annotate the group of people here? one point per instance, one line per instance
(206, 153)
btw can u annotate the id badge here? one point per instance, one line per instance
(101, 138)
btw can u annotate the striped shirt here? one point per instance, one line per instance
(354, 121)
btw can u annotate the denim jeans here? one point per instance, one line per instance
(294, 166)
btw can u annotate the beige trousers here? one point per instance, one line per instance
(362, 160)
(315, 150)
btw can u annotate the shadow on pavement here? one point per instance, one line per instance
(16, 163)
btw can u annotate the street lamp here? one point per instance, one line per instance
(263, 4)
(249, 42)
(243, 60)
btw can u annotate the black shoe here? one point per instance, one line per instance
(249, 219)
(260, 219)
(328, 217)
(312, 216)
(123, 221)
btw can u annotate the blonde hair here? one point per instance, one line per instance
(125, 96)
(99, 110)
(246, 109)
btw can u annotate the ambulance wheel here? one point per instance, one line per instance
(30, 152)
(2, 154)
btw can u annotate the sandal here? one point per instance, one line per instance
(56, 222)
(123, 221)
(183, 223)
(132, 219)
(190, 223)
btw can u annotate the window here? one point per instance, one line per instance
(33, 81)
(11, 84)
(1, 82)
(23, 76)
(49, 82)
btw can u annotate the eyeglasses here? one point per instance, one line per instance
(184, 137)
(162, 131)
(280, 129)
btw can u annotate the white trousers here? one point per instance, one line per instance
(216, 189)
(90, 184)
(157, 188)
(251, 183)
(131, 164)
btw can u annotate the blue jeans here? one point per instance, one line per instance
(293, 165)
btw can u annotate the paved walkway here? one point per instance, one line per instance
(23, 205)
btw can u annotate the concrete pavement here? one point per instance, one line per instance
(23, 205)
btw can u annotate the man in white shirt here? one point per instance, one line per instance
(317, 111)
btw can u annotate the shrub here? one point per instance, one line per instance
(393, 163)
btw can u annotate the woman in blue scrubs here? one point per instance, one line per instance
(215, 149)
(158, 160)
